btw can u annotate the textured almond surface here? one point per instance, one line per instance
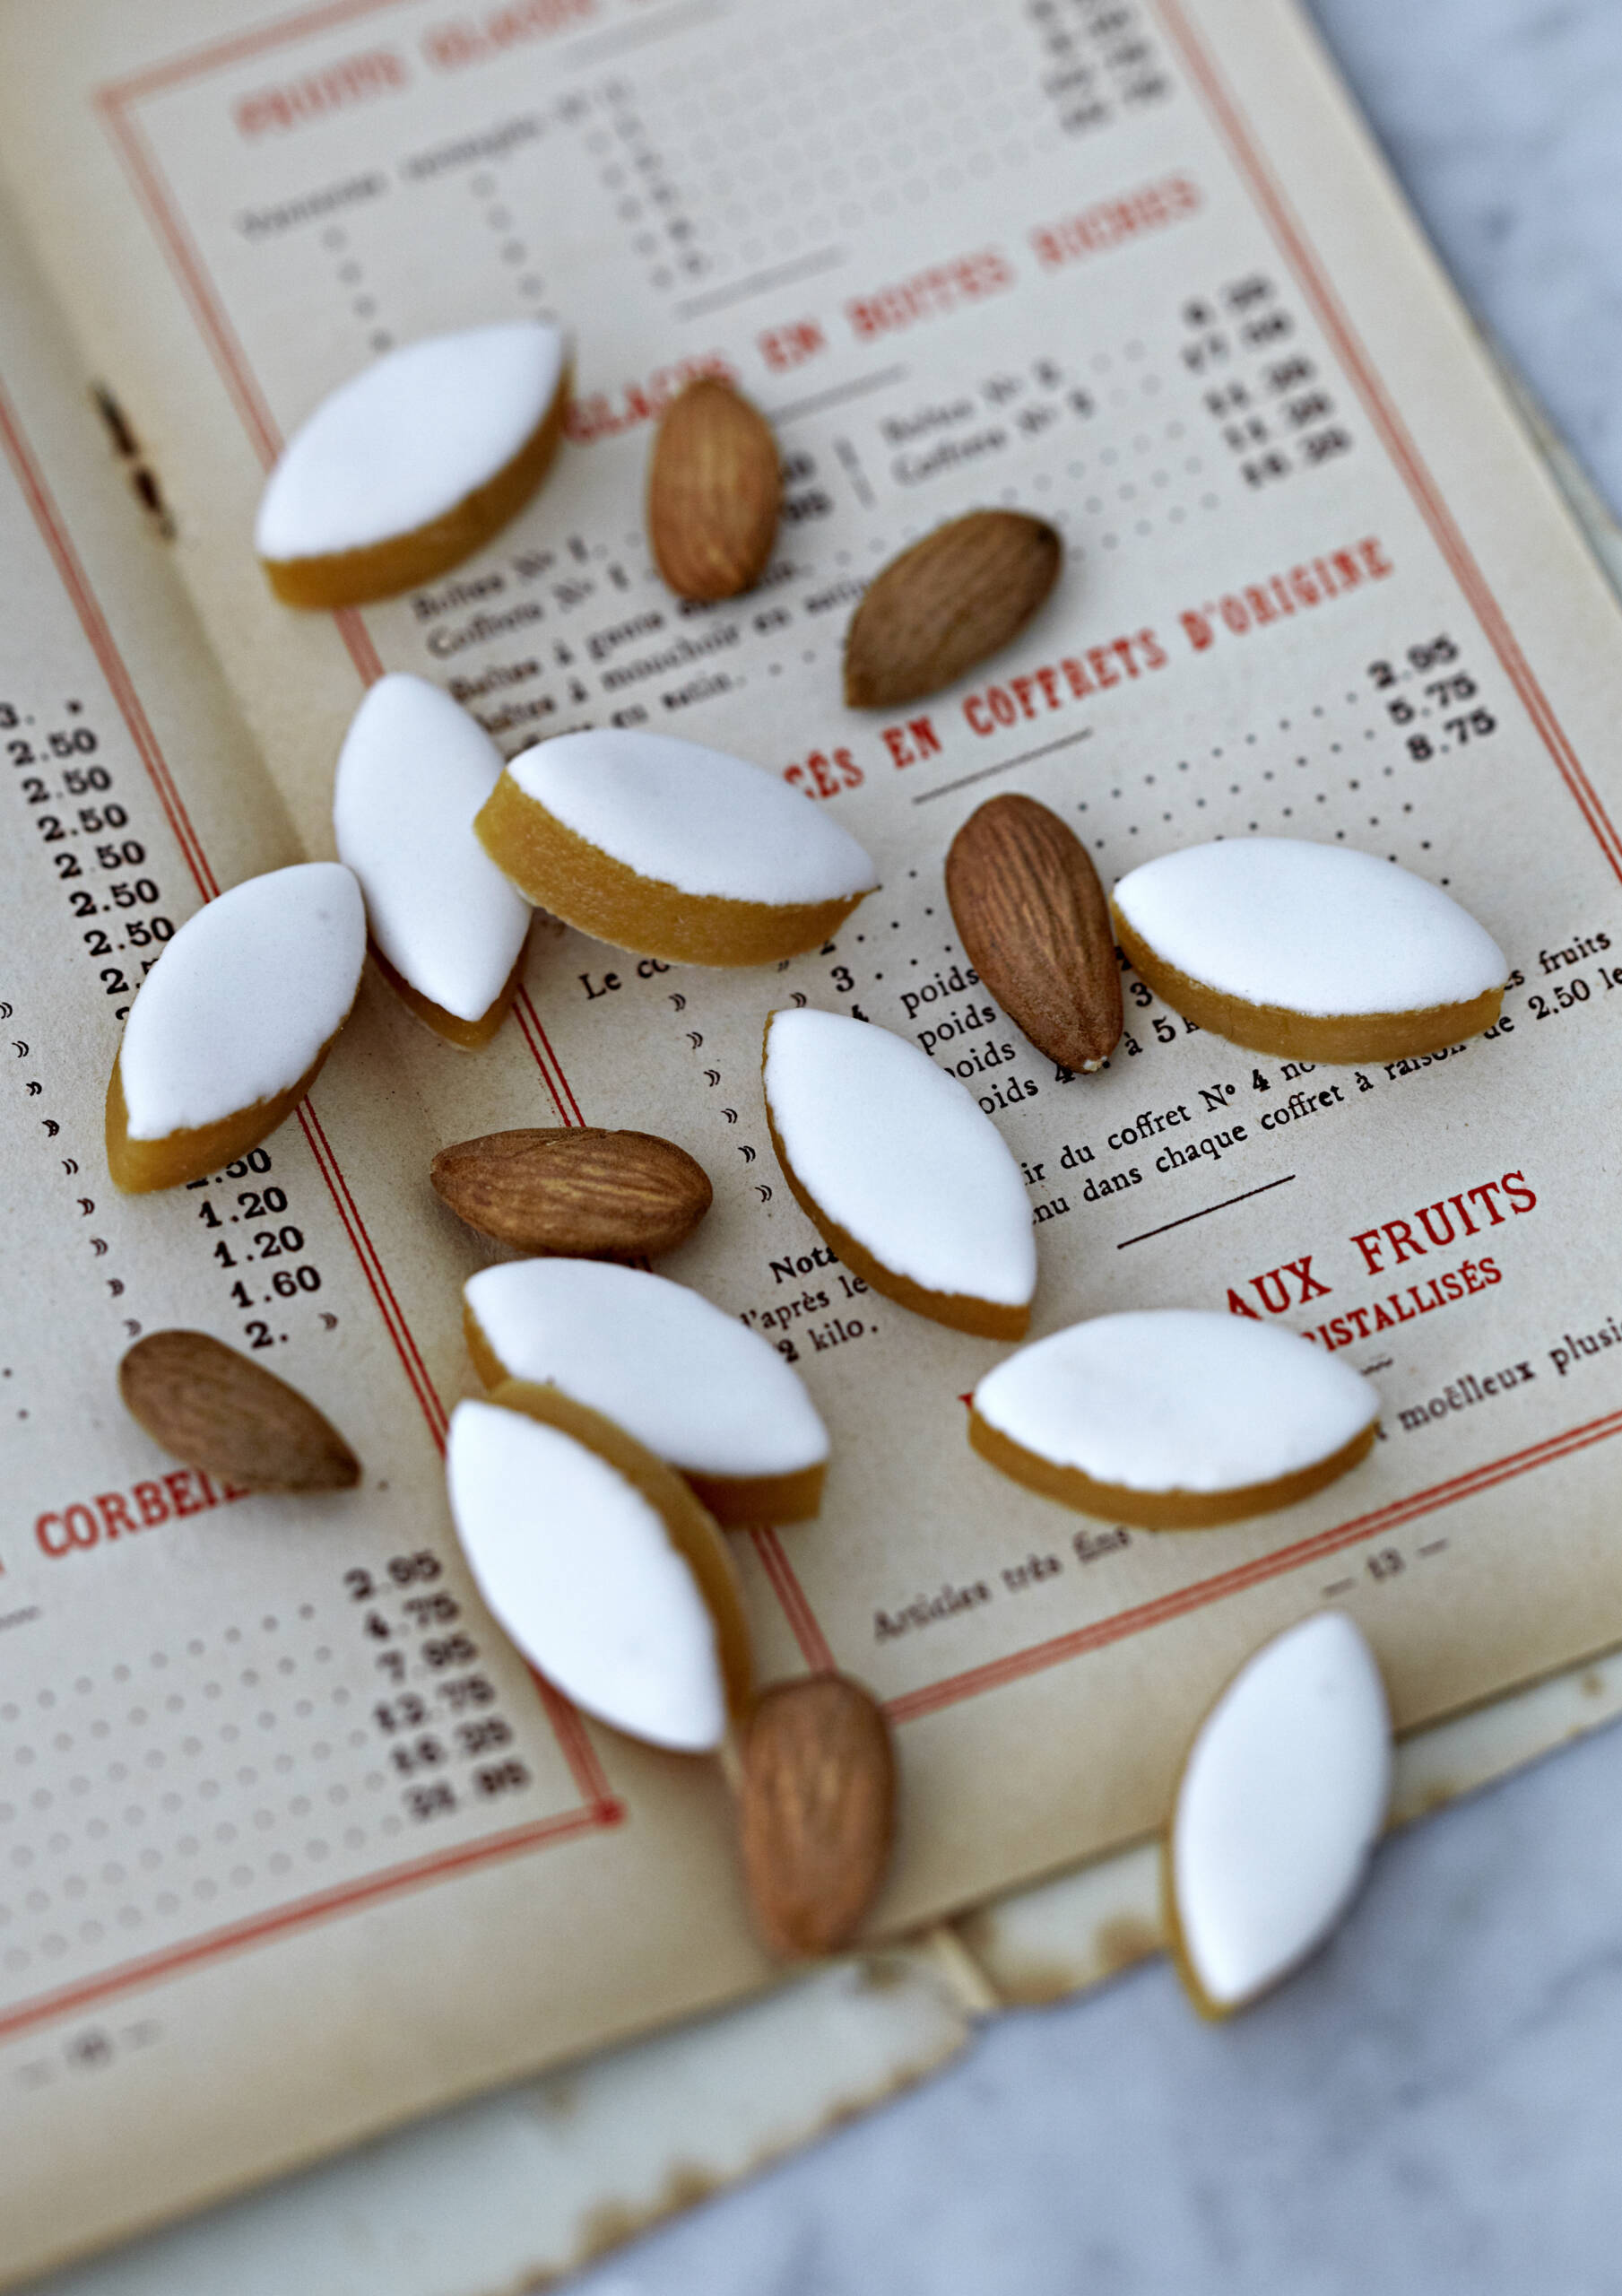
(946, 604)
(816, 1812)
(1032, 917)
(586, 1193)
(713, 490)
(217, 1410)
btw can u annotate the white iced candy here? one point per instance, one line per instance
(1315, 928)
(900, 1156)
(1282, 1799)
(243, 998)
(579, 1570)
(696, 1385)
(408, 438)
(1177, 1399)
(694, 818)
(414, 770)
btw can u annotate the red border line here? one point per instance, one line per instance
(545, 1058)
(186, 262)
(1165, 1607)
(358, 639)
(578, 1752)
(1411, 467)
(198, 61)
(796, 1604)
(156, 195)
(1399, 443)
(303, 1911)
(371, 1265)
(76, 582)
(600, 1807)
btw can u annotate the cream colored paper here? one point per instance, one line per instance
(1143, 279)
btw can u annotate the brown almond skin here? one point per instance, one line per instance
(715, 489)
(816, 1812)
(222, 1412)
(583, 1193)
(1032, 917)
(958, 596)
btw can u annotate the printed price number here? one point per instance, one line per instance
(450, 1651)
(1432, 698)
(1567, 994)
(455, 1725)
(464, 1691)
(405, 1570)
(140, 934)
(268, 1243)
(432, 1610)
(500, 1778)
(55, 747)
(1458, 730)
(76, 781)
(1418, 659)
(72, 741)
(421, 1753)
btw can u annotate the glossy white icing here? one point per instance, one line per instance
(694, 1385)
(1319, 929)
(695, 818)
(408, 438)
(243, 998)
(900, 1156)
(414, 770)
(1177, 1399)
(1281, 1800)
(579, 1570)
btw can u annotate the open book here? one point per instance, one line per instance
(291, 1845)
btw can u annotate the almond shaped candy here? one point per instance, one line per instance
(901, 1170)
(412, 465)
(671, 850)
(1032, 917)
(1309, 952)
(601, 1566)
(1282, 1799)
(222, 1411)
(960, 593)
(714, 491)
(447, 927)
(697, 1386)
(1173, 1418)
(816, 1812)
(577, 1191)
(228, 1029)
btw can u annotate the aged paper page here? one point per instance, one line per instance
(291, 1843)
(1317, 583)
(1132, 266)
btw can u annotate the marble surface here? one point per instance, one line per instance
(1432, 2107)
(1435, 2104)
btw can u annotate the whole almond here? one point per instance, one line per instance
(1033, 918)
(224, 1413)
(945, 604)
(585, 1193)
(816, 1812)
(714, 491)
